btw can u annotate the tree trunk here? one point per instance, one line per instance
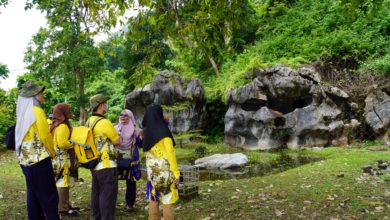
(83, 112)
(227, 36)
(214, 65)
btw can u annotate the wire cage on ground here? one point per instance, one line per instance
(189, 181)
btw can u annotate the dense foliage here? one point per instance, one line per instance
(216, 41)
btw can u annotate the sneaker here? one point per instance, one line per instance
(70, 213)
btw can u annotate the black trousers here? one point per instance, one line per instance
(42, 197)
(104, 193)
(131, 192)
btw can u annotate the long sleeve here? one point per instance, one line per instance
(44, 131)
(61, 137)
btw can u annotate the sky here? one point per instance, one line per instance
(17, 26)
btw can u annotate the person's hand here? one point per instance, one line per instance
(176, 181)
(141, 134)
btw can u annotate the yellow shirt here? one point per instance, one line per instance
(62, 161)
(104, 134)
(37, 144)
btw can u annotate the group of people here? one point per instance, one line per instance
(49, 164)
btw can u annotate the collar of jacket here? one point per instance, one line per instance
(99, 115)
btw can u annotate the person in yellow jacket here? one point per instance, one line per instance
(162, 169)
(34, 149)
(50, 119)
(61, 130)
(104, 175)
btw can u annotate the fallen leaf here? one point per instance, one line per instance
(379, 209)
(350, 217)
(282, 194)
(278, 212)
(307, 202)
(330, 198)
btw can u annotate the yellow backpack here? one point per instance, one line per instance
(84, 145)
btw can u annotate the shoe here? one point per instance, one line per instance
(74, 208)
(70, 213)
(130, 208)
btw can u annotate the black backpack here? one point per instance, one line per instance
(10, 138)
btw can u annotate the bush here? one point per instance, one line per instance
(200, 151)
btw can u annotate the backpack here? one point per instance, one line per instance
(84, 145)
(10, 138)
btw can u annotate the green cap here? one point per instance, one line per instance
(95, 100)
(30, 89)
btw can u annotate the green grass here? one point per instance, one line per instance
(331, 188)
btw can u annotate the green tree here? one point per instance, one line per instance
(7, 111)
(4, 71)
(63, 55)
(207, 31)
(3, 3)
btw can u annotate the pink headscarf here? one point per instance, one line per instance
(127, 131)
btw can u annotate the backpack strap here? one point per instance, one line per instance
(94, 122)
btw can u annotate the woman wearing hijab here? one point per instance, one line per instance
(158, 144)
(34, 148)
(128, 162)
(61, 130)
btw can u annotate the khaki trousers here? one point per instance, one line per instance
(63, 196)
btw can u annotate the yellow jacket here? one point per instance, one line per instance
(62, 161)
(104, 134)
(38, 142)
(164, 149)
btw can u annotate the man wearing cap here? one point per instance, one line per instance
(34, 148)
(104, 175)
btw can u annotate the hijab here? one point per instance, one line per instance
(61, 115)
(25, 118)
(155, 128)
(127, 131)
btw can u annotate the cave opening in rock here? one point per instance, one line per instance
(253, 104)
(289, 105)
(279, 121)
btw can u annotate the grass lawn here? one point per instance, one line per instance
(332, 188)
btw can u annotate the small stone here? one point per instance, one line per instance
(367, 169)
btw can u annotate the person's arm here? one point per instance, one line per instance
(110, 132)
(171, 156)
(44, 131)
(62, 134)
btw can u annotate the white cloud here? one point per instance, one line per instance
(17, 27)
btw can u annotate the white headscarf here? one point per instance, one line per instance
(24, 119)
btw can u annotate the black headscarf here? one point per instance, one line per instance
(154, 127)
